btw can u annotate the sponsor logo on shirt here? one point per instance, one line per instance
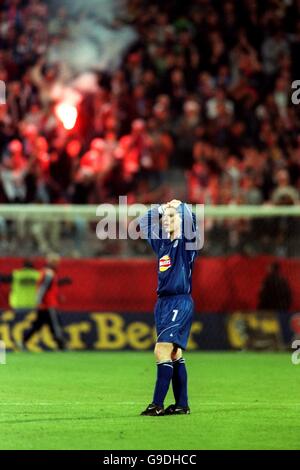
(164, 263)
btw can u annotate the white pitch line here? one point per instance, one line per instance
(78, 403)
(132, 403)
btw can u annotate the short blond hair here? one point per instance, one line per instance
(52, 258)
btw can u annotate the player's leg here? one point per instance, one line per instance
(176, 353)
(179, 384)
(55, 327)
(176, 385)
(184, 309)
(36, 326)
(163, 352)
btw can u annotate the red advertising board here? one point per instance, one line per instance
(220, 284)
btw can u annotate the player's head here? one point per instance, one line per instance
(28, 263)
(171, 221)
(274, 268)
(52, 260)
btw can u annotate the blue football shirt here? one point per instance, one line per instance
(175, 258)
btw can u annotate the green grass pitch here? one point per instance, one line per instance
(92, 400)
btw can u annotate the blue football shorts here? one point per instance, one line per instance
(173, 319)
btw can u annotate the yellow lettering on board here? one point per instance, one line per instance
(139, 335)
(110, 329)
(75, 331)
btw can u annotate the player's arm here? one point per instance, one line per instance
(150, 226)
(45, 286)
(189, 228)
(64, 281)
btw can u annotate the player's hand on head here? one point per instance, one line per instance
(174, 203)
(165, 206)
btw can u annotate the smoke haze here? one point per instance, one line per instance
(94, 38)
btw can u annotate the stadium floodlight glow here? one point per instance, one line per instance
(67, 114)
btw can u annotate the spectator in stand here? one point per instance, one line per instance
(284, 192)
(137, 149)
(275, 292)
(250, 194)
(13, 172)
(186, 130)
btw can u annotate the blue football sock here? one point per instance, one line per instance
(164, 377)
(179, 382)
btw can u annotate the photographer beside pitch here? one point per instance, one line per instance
(172, 232)
(47, 301)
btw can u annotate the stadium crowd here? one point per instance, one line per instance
(204, 92)
(205, 88)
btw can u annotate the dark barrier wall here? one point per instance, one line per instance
(219, 284)
(109, 331)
